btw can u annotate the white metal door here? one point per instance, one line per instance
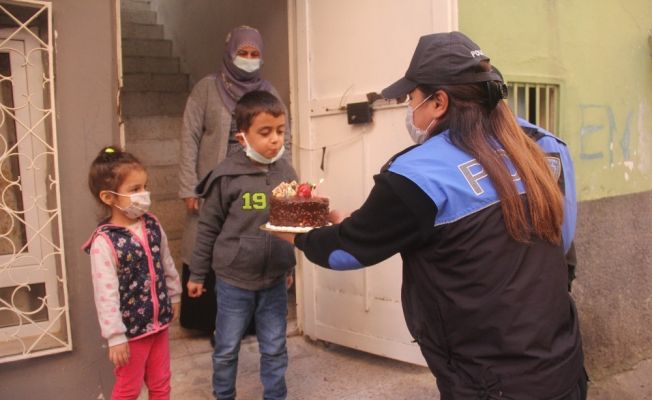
(340, 51)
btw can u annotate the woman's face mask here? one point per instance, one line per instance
(247, 64)
(139, 204)
(418, 135)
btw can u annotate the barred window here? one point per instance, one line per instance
(33, 296)
(536, 102)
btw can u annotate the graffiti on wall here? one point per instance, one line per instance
(600, 135)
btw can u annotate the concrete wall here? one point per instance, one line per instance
(86, 120)
(614, 284)
(198, 29)
(599, 52)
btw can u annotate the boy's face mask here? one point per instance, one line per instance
(256, 156)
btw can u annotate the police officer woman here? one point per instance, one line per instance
(476, 214)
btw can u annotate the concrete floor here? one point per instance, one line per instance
(323, 371)
(316, 371)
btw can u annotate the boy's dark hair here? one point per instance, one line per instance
(254, 103)
(109, 170)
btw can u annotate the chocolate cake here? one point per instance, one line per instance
(294, 205)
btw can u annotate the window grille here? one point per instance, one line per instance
(34, 319)
(536, 102)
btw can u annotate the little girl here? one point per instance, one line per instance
(136, 285)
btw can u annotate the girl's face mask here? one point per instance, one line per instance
(139, 204)
(418, 135)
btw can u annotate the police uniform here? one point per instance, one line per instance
(492, 315)
(473, 297)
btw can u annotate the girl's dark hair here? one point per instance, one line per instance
(254, 103)
(476, 126)
(109, 170)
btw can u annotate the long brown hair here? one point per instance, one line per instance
(476, 126)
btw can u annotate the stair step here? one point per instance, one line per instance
(155, 152)
(139, 5)
(163, 65)
(152, 101)
(146, 47)
(163, 181)
(153, 127)
(168, 213)
(138, 16)
(141, 104)
(131, 30)
(156, 82)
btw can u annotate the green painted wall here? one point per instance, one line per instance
(600, 53)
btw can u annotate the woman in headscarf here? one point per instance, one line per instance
(207, 135)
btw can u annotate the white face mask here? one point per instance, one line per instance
(140, 203)
(257, 157)
(247, 64)
(418, 135)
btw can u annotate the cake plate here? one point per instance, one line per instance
(289, 229)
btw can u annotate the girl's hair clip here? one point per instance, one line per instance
(109, 154)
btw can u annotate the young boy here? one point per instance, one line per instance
(250, 265)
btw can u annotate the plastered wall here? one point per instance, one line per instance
(600, 54)
(86, 120)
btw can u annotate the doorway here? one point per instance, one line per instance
(166, 48)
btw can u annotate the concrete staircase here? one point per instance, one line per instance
(153, 99)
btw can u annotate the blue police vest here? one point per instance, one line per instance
(456, 182)
(561, 164)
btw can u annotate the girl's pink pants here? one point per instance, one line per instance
(149, 362)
